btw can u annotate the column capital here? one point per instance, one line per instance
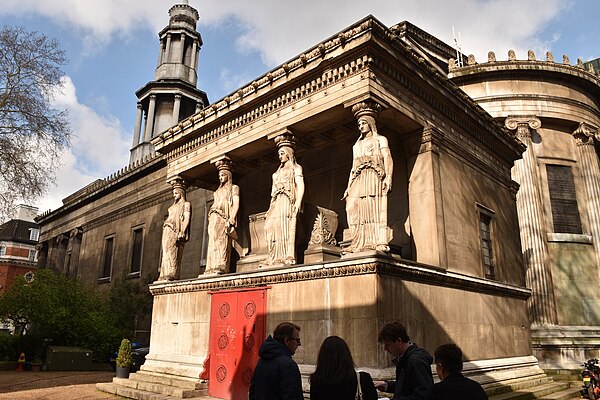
(177, 97)
(585, 134)
(139, 106)
(523, 124)
(283, 138)
(152, 97)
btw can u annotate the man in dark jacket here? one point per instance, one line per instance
(413, 365)
(277, 376)
(454, 386)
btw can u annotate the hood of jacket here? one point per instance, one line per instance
(271, 349)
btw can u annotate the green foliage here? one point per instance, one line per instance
(129, 300)
(9, 347)
(59, 308)
(125, 354)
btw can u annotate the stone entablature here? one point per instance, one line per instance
(389, 266)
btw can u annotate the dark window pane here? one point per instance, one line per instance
(486, 246)
(136, 255)
(563, 201)
(108, 252)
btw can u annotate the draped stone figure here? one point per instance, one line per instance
(286, 198)
(175, 233)
(368, 185)
(222, 221)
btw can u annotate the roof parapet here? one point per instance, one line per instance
(531, 58)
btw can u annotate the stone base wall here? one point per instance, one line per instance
(352, 298)
(565, 347)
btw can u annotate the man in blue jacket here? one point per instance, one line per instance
(277, 376)
(413, 364)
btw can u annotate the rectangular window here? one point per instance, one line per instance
(487, 248)
(563, 199)
(2, 251)
(137, 249)
(32, 254)
(34, 234)
(108, 257)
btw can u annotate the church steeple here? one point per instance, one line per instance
(172, 95)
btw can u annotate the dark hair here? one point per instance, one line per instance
(450, 357)
(393, 331)
(285, 330)
(334, 363)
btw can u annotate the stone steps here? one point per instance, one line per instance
(548, 391)
(515, 384)
(152, 386)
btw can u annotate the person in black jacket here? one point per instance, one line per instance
(335, 375)
(277, 376)
(413, 364)
(454, 386)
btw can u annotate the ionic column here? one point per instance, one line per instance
(150, 119)
(584, 136)
(541, 304)
(176, 106)
(138, 125)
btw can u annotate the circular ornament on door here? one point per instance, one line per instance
(247, 377)
(249, 309)
(224, 310)
(249, 342)
(221, 373)
(223, 341)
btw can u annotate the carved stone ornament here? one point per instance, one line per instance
(324, 227)
(366, 108)
(566, 59)
(585, 134)
(530, 55)
(549, 56)
(471, 60)
(491, 56)
(511, 55)
(522, 124)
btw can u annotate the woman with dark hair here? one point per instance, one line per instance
(335, 376)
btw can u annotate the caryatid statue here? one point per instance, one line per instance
(369, 183)
(287, 192)
(222, 220)
(175, 232)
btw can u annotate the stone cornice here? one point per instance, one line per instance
(102, 186)
(539, 98)
(380, 265)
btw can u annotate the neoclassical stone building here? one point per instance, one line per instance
(490, 219)
(554, 109)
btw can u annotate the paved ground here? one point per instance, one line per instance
(55, 385)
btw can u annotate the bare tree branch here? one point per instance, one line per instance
(32, 132)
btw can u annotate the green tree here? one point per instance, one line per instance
(61, 309)
(130, 301)
(32, 131)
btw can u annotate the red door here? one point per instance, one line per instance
(237, 329)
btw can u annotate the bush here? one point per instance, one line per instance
(125, 355)
(9, 347)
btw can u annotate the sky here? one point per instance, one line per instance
(112, 47)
